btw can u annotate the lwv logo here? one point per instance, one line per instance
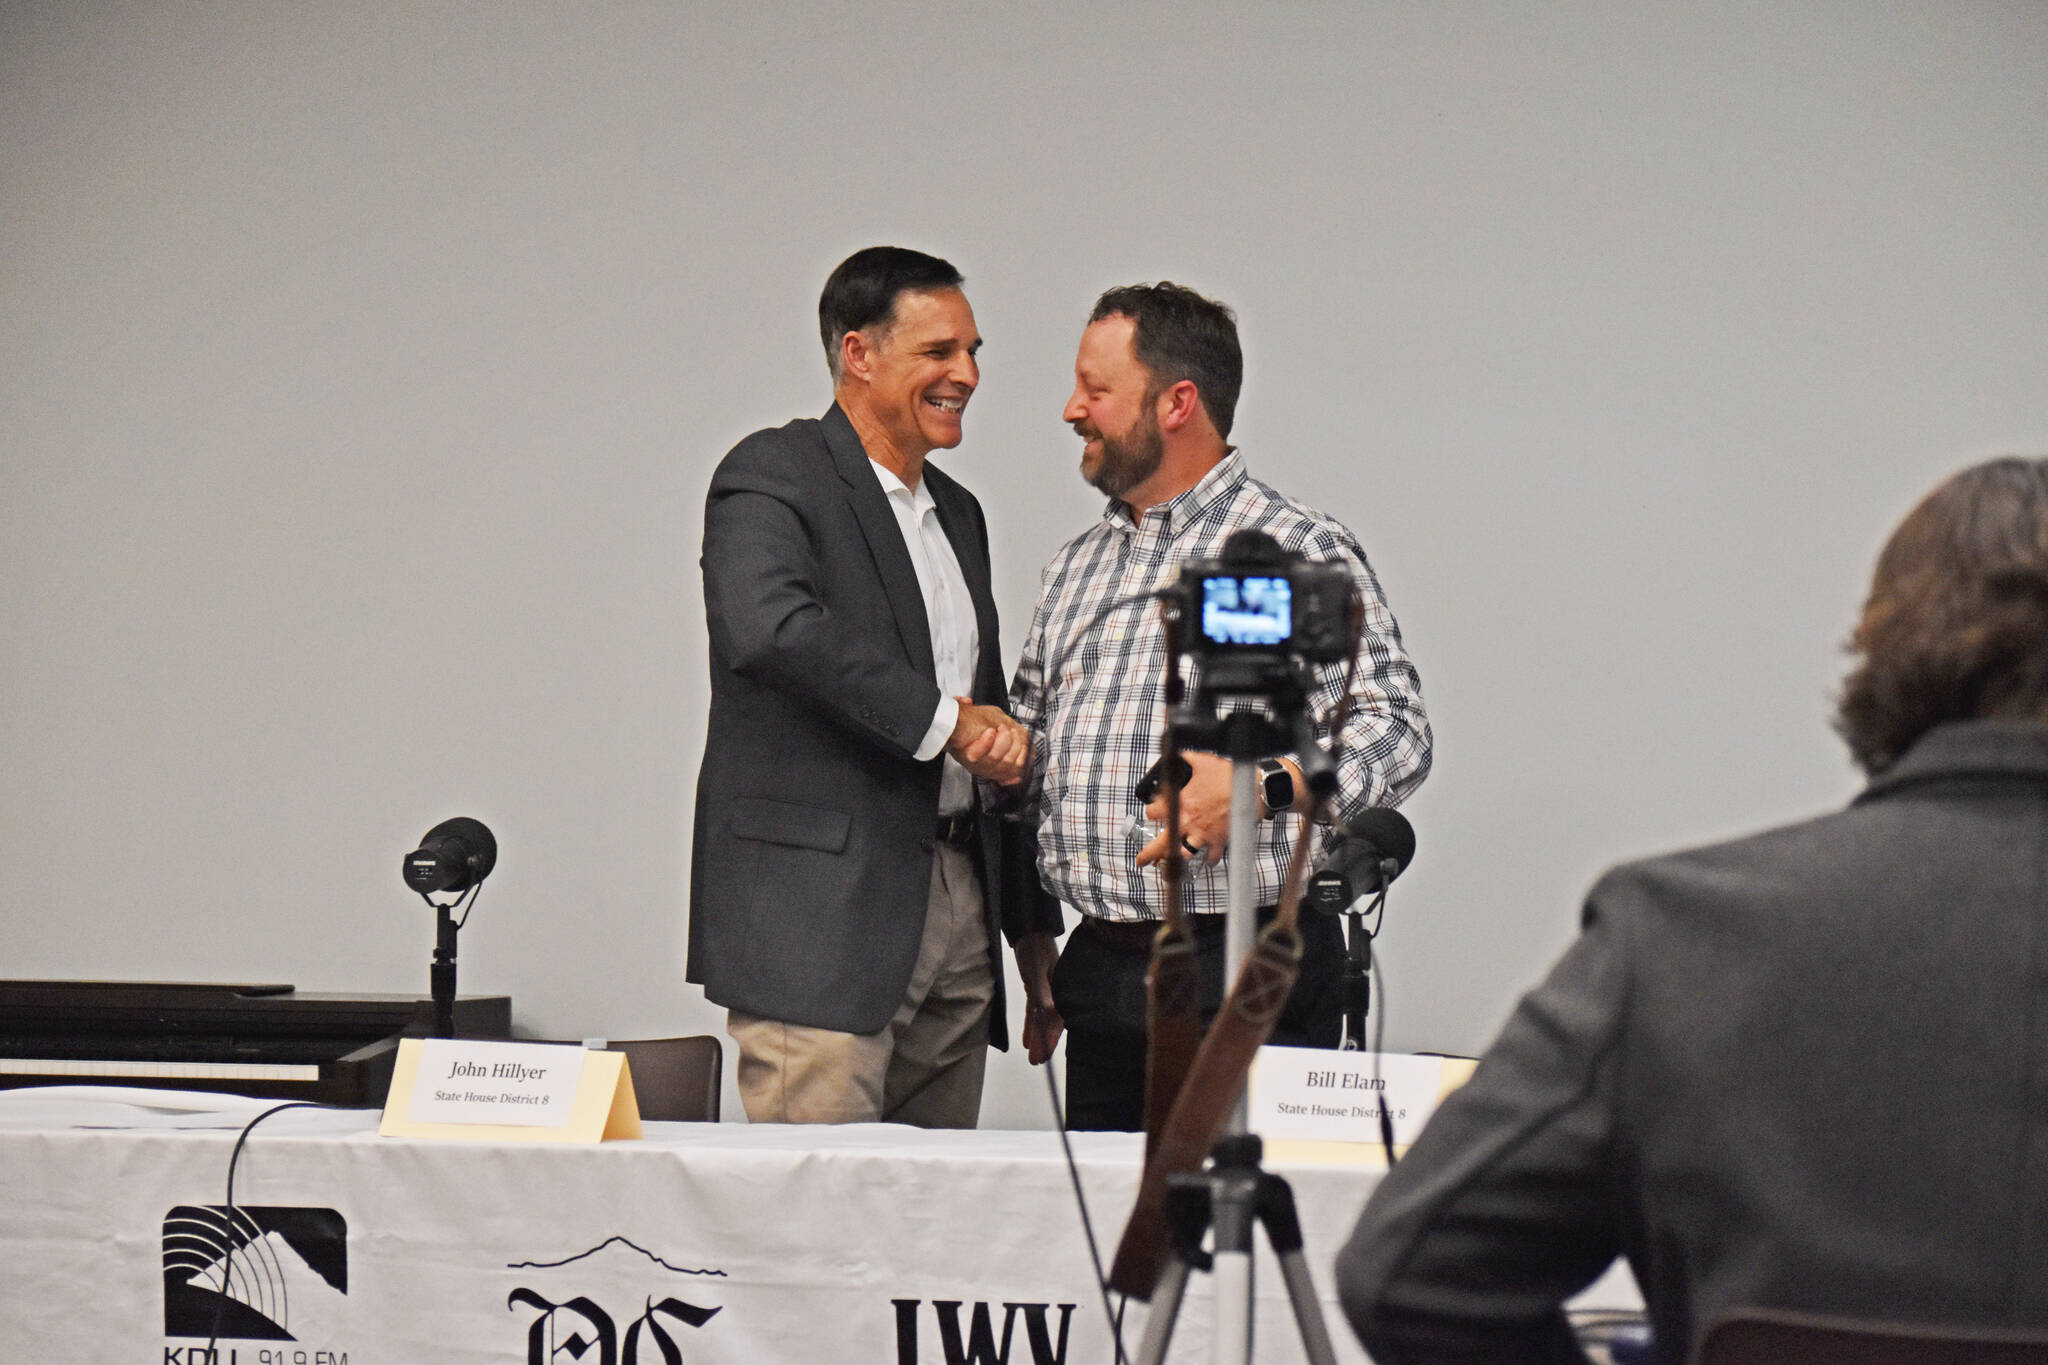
(979, 1345)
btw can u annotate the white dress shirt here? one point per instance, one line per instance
(949, 612)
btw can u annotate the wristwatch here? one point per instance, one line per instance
(1276, 786)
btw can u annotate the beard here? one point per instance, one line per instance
(1130, 459)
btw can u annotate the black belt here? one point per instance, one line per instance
(1135, 937)
(1132, 938)
(957, 830)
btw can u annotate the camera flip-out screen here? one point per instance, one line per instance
(1247, 610)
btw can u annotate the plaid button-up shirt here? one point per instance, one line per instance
(1096, 725)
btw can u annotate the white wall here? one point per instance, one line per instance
(362, 367)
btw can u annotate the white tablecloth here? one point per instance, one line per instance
(723, 1243)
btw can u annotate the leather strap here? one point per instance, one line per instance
(1206, 1099)
(1173, 1022)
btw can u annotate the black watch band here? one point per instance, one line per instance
(1276, 786)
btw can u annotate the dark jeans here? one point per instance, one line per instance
(1099, 988)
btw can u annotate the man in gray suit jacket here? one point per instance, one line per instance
(1806, 1070)
(842, 899)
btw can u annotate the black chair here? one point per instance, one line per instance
(676, 1080)
(1758, 1336)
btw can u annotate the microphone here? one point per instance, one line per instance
(1149, 784)
(1373, 849)
(453, 856)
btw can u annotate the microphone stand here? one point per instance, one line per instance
(441, 975)
(441, 972)
(1357, 994)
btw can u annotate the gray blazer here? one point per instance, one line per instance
(1804, 1070)
(814, 824)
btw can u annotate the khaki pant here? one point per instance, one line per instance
(923, 1068)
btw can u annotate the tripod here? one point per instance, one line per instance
(1229, 1197)
(1234, 1191)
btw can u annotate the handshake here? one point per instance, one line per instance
(990, 744)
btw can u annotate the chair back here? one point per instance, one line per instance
(1758, 1336)
(677, 1080)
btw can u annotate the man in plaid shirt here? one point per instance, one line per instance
(1156, 384)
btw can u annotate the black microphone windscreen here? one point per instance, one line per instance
(481, 847)
(1252, 546)
(1386, 830)
(453, 856)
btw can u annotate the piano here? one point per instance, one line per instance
(269, 1041)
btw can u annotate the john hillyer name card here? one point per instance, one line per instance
(517, 1092)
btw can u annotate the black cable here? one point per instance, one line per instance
(1050, 671)
(227, 1263)
(1379, 1037)
(1059, 1123)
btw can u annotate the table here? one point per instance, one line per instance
(717, 1242)
(713, 1244)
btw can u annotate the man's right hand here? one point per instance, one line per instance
(989, 744)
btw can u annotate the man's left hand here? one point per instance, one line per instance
(1205, 809)
(1036, 953)
(1204, 812)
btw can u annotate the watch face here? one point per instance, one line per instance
(1279, 788)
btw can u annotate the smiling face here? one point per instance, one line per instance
(918, 370)
(1114, 410)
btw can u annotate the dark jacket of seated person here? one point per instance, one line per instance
(1806, 1070)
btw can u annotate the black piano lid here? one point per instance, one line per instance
(174, 1007)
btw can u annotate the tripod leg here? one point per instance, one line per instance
(1234, 1193)
(1308, 1310)
(1283, 1231)
(1283, 1228)
(1173, 1282)
(1232, 1278)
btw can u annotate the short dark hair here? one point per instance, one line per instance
(1957, 622)
(1177, 334)
(861, 292)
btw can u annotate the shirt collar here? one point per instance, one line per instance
(920, 496)
(1177, 513)
(1988, 750)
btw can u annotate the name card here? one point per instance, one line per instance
(1317, 1095)
(509, 1092)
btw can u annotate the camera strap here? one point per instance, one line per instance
(1206, 1099)
(1222, 1061)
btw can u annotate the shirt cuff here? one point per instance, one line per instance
(941, 729)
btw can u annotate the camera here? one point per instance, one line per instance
(1255, 620)
(1256, 608)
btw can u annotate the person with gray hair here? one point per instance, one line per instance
(1806, 1070)
(843, 906)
